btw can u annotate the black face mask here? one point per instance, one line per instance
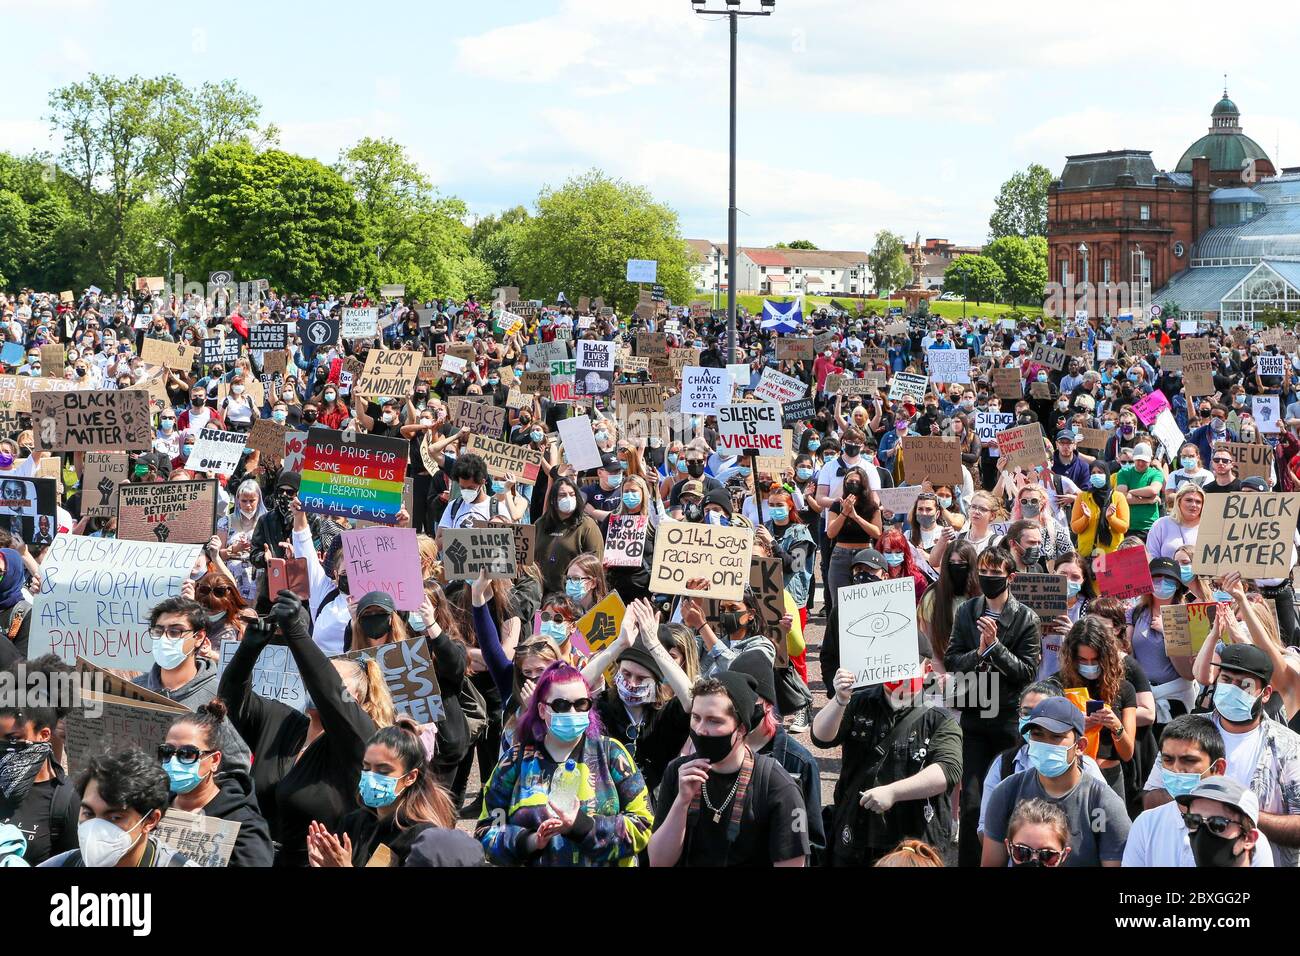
(309, 417)
(712, 749)
(376, 626)
(730, 621)
(852, 451)
(853, 489)
(692, 512)
(695, 469)
(1211, 850)
(959, 574)
(992, 586)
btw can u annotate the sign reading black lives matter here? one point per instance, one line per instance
(268, 337)
(219, 351)
(595, 367)
(99, 420)
(468, 551)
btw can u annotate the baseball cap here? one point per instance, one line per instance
(1164, 567)
(379, 599)
(1066, 434)
(611, 462)
(1247, 659)
(1142, 450)
(1225, 790)
(693, 487)
(871, 558)
(1254, 483)
(1057, 715)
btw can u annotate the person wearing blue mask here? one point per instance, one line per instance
(603, 497)
(632, 579)
(1098, 819)
(1091, 658)
(506, 501)
(402, 806)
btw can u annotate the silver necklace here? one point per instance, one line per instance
(717, 811)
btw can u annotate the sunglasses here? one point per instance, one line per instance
(1022, 854)
(562, 706)
(1222, 461)
(216, 590)
(187, 754)
(1218, 825)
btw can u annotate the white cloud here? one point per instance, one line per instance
(25, 136)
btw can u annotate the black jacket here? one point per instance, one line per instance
(235, 802)
(1012, 662)
(274, 529)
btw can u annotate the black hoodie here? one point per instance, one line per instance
(236, 802)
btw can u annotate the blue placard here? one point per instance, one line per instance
(13, 353)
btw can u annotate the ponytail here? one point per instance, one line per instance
(424, 801)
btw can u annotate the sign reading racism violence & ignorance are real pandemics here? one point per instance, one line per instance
(96, 595)
(362, 479)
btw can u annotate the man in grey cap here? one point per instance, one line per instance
(1099, 821)
(1220, 817)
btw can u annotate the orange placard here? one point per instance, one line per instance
(1080, 697)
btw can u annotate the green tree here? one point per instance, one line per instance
(583, 233)
(272, 215)
(1020, 208)
(976, 277)
(1024, 264)
(888, 262)
(47, 244)
(797, 244)
(495, 239)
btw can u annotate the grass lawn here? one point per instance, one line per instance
(948, 310)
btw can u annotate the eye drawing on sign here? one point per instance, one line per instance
(879, 624)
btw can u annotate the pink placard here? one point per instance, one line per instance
(1150, 407)
(1122, 574)
(385, 559)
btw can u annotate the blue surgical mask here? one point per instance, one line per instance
(682, 466)
(804, 474)
(1108, 425)
(1179, 784)
(893, 558)
(602, 436)
(945, 503)
(280, 416)
(779, 514)
(182, 777)
(169, 653)
(631, 499)
(1187, 463)
(555, 630)
(377, 790)
(1163, 588)
(1072, 588)
(1186, 573)
(671, 458)
(1097, 481)
(1234, 704)
(1222, 597)
(1051, 760)
(498, 486)
(575, 588)
(1089, 671)
(536, 436)
(569, 727)
(615, 480)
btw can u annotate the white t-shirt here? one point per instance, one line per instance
(1159, 838)
(459, 513)
(830, 476)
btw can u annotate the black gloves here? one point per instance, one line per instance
(291, 616)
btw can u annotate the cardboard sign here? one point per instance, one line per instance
(267, 439)
(898, 500)
(409, 675)
(749, 425)
(651, 343)
(387, 560)
(1044, 594)
(988, 424)
(468, 551)
(704, 390)
(1186, 627)
(1023, 446)
(52, 360)
(1124, 573)
(598, 628)
(908, 386)
(268, 337)
(795, 349)
(534, 383)
(1094, 438)
(1007, 383)
(208, 841)
(949, 365)
(643, 399)
(171, 355)
(797, 412)
(1253, 459)
(1198, 366)
(685, 551)
(102, 473)
(96, 595)
(1251, 533)
(1150, 406)
(117, 686)
(216, 450)
(1044, 354)
(579, 442)
(877, 623)
(506, 459)
(525, 543)
(389, 373)
(360, 323)
(932, 457)
(362, 479)
(479, 417)
(176, 512)
(625, 540)
(123, 725)
(97, 420)
(221, 351)
(773, 386)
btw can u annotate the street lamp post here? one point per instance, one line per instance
(1083, 251)
(733, 13)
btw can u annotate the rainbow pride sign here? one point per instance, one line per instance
(361, 479)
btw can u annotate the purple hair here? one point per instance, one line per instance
(532, 727)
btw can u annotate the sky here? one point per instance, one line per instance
(854, 115)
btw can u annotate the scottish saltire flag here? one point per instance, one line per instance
(784, 317)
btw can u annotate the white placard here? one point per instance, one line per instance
(579, 442)
(704, 390)
(740, 375)
(1267, 411)
(217, 450)
(454, 364)
(596, 356)
(949, 365)
(642, 270)
(1167, 432)
(752, 425)
(878, 631)
(776, 386)
(360, 323)
(1271, 365)
(1188, 327)
(1105, 350)
(988, 424)
(906, 385)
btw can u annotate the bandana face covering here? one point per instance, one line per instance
(19, 767)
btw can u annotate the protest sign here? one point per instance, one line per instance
(988, 424)
(96, 595)
(749, 425)
(179, 512)
(898, 500)
(740, 375)
(123, 725)
(389, 373)
(478, 416)
(1023, 446)
(319, 332)
(949, 365)
(357, 479)
(525, 542)
(1253, 459)
(625, 540)
(28, 508)
(795, 348)
(908, 386)
(598, 628)
(468, 551)
(1186, 627)
(1264, 365)
(1093, 438)
(275, 674)
(295, 444)
(103, 472)
(704, 389)
(542, 354)
(642, 270)
(935, 458)
(268, 337)
(1149, 406)
(1198, 366)
(52, 360)
(506, 459)
(171, 355)
(1044, 354)
(221, 351)
(208, 841)
(216, 450)
(1040, 390)
(534, 383)
(1167, 432)
(797, 412)
(1250, 533)
(651, 343)
(1044, 594)
(267, 439)
(409, 675)
(360, 323)
(594, 367)
(579, 442)
(717, 553)
(101, 682)
(97, 420)
(773, 386)
(516, 399)
(385, 559)
(453, 364)
(639, 399)
(877, 622)
(1007, 383)
(1267, 412)
(1123, 574)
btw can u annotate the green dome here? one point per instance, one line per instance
(1225, 105)
(1226, 151)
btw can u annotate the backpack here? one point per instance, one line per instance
(475, 708)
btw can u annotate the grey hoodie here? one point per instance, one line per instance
(235, 754)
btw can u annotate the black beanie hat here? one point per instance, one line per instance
(289, 479)
(639, 655)
(760, 668)
(743, 691)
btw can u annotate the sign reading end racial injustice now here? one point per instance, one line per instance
(685, 551)
(99, 420)
(362, 479)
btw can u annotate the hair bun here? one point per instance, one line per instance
(216, 708)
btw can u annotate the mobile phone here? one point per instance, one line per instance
(287, 574)
(1095, 705)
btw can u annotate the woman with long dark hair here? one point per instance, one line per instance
(1090, 657)
(852, 523)
(564, 531)
(938, 608)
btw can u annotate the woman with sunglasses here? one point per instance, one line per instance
(1033, 504)
(225, 607)
(1038, 834)
(565, 794)
(199, 782)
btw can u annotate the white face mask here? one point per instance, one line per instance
(103, 843)
(566, 505)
